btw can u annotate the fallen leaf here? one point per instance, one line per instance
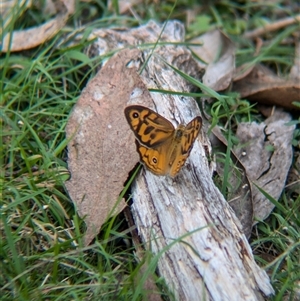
(242, 71)
(265, 151)
(99, 155)
(29, 38)
(218, 53)
(263, 86)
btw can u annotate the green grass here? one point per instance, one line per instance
(42, 254)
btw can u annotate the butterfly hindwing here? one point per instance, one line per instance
(153, 159)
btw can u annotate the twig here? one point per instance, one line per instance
(271, 27)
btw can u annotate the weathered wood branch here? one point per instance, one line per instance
(215, 261)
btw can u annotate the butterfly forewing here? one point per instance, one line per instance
(150, 128)
(190, 134)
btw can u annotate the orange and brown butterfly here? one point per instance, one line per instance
(162, 148)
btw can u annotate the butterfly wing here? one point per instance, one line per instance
(188, 136)
(155, 159)
(162, 149)
(149, 127)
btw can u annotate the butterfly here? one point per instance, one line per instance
(162, 148)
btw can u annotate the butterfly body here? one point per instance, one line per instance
(162, 148)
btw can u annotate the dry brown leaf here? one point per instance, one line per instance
(218, 52)
(265, 150)
(263, 86)
(28, 38)
(240, 196)
(242, 71)
(99, 155)
(7, 9)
